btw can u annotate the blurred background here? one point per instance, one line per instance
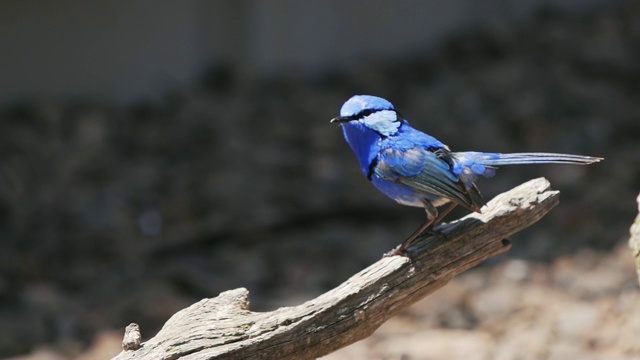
(154, 153)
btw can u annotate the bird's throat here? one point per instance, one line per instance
(364, 142)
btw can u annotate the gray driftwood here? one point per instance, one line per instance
(225, 328)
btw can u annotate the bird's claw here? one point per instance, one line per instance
(398, 250)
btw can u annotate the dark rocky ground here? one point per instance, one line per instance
(116, 215)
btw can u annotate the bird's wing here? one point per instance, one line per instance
(429, 172)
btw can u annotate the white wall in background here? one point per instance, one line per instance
(122, 50)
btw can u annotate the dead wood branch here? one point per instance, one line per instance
(634, 240)
(225, 328)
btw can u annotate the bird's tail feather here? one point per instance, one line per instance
(470, 164)
(497, 159)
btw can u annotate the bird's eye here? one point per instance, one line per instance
(366, 112)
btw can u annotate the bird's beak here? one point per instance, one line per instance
(340, 119)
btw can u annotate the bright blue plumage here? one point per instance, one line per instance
(416, 169)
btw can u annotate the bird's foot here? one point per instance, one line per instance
(398, 250)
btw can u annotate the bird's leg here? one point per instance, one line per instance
(443, 213)
(433, 218)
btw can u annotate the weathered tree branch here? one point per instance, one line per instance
(225, 328)
(634, 240)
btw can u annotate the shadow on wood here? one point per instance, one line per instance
(225, 328)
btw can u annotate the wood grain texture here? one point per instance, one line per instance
(224, 328)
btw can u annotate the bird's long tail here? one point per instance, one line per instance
(470, 164)
(496, 159)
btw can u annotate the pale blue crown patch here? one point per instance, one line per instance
(358, 103)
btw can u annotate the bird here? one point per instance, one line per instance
(416, 169)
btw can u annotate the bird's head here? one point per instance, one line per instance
(372, 112)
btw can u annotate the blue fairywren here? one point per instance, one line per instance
(415, 169)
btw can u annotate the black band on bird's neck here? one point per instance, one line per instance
(372, 168)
